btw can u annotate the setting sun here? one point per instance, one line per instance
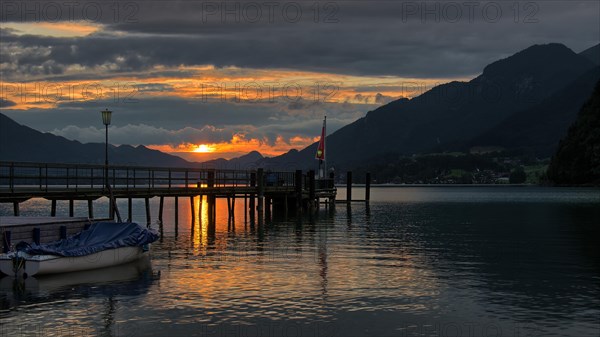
(203, 148)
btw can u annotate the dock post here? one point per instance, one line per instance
(252, 196)
(148, 220)
(160, 208)
(211, 198)
(245, 209)
(268, 202)
(260, 190)
(349, 186)
(232, 206)
(211, 179)
(193, 211)
(200, 196)
(71, 208)
(228, 207)
(53, 208)
(37, 235)
(6, 241)
(90, 208)
(63, 232)
(16, 211)
(176, 212)
(298, 189)
(332, 200)
(210, 204)
(311, 189)
(368, 187)
(129, 210)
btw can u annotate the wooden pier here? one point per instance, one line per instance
(263, 190)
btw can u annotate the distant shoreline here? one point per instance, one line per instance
(462, 185)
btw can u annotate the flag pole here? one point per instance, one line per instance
(321, 155)
(324, 147)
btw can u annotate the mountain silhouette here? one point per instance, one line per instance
(538, 130)
(22, 143)
(592, 54)
(451, 116)
(246, 161)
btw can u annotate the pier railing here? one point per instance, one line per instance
(46, 177)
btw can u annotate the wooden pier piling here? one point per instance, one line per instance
(260, 190)
(311, 189)
(176, 212)
(298, 178)
(192, 211)
(368, 187)
(349, 186)
(160, 208)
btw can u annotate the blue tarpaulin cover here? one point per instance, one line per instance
(100, 236)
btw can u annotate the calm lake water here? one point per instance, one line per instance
(419, 261)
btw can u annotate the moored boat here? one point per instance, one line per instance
(102, 245)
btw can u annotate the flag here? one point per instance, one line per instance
(321, 148)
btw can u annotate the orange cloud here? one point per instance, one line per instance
(54, 29)
(238, 145)
(207, 83)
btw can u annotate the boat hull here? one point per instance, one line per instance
(53, 264)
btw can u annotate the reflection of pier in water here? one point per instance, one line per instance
(211, 240)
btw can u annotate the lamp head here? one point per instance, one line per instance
(106, 114)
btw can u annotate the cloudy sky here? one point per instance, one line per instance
(207, 79)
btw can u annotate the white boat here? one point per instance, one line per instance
(102, 245)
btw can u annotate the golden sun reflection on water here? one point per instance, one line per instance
(289, 268)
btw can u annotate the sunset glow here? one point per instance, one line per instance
(203, 148)
(237, 146)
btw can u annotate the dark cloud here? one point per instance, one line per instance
(4, 103)
(178, 120)
(366, 37)
(146, 134)
(303, 104)
(383, 99)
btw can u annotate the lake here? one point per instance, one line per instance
(417, 261)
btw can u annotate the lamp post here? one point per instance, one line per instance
(106, 114)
